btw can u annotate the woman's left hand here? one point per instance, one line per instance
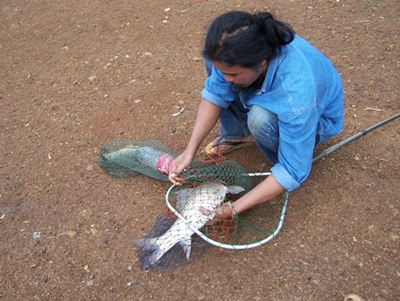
(223, 212)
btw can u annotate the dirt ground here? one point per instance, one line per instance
(77, 74)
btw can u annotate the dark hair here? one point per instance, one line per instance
(240, 38)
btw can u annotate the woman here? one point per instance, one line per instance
(269, 86)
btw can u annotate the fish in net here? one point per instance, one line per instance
(175, 257)
(184, 233)
(189, 203)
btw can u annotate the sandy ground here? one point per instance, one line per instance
(77, 74)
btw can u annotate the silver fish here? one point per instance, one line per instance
(209, 196)
(145, 155)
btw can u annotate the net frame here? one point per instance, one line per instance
(227, 245)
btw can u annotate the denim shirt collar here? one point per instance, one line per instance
(271, 69)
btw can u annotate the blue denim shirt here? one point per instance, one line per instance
(304, 90)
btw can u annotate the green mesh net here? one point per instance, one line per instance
(128, 158)
(185, 232)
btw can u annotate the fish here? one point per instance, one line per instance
(191, 202)
(145, 155)
(112, 155)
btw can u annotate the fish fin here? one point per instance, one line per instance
(181, 197)
(235, 189)
(186, 245)
(137, 242)
(146, 244)
(208, 212)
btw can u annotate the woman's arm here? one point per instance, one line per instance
(207, 116)
(266, 190)
(263, 192)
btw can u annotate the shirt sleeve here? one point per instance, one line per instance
(296, 136)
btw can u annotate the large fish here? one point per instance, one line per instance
(190, 203)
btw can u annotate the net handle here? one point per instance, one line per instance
(354, 137)
(229, 246)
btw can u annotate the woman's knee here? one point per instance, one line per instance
(262, 122)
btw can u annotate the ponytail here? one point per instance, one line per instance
(277, 33)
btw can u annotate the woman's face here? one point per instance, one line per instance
(239, 76)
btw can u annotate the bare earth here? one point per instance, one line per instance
(76, 74)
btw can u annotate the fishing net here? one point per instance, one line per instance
(128, 158)
(125, 158)
(177, 237)
(204, 183)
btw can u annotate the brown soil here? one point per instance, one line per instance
(76, 74)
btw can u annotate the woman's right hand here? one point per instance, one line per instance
(179, 164)
(207, 116)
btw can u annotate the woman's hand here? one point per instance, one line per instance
(179, 164)
(223, 212)
(207, 116)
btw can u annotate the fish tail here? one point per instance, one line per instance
(156, 247)
(145, 244)
(137, 242)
